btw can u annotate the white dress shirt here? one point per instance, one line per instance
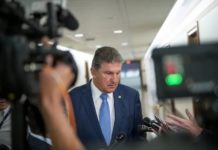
(97, 102)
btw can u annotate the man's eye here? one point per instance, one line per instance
(109, 73)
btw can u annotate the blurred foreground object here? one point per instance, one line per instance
(186, 71)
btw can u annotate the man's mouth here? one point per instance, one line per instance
(112, 85)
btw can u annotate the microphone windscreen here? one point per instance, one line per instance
(71, 22)
(67, 19)
(147, 121)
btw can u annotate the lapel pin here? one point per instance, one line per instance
(119, 97)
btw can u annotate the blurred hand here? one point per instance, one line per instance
(55, 80)
(190, 124)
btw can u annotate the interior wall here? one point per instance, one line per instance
(208, 27)
(208, 32)
(179, 40)
(81, 58)
(184, 103)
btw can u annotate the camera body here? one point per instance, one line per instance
(190, 71)
(21, 55)
(184, 71)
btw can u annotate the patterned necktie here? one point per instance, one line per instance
(104, 118)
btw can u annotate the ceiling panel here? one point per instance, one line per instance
(140, 20)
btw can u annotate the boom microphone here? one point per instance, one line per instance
(66, 18)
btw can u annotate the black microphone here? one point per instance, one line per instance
(164, 126)
(118, 139)
(147, 121)
(151, 123)
(143, 128)
(66, 18)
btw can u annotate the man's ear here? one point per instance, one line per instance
(93, 72)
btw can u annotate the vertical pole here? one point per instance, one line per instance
(19, 127)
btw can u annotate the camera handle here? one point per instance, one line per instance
(19, 125)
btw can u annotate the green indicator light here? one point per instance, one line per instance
(173, 79)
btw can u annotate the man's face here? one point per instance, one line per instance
(3, 104)
(107, 77)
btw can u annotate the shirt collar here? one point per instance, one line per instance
(96, 92)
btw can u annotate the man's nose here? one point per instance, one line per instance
(115, 77)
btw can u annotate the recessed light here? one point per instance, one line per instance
(124, 44)
(118, 31)
(79, 35)
(98, 46)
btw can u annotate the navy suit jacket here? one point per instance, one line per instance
(37, 144)
(127, 115)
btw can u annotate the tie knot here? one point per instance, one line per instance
(104, 96)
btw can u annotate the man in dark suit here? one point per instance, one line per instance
(123, 104)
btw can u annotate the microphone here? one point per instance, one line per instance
(147, 121)
(66, 18)
(164, 126)
(143, 128)
(118, 139)
(151, 123)
(157, 126)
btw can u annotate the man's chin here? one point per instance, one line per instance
(111, 89)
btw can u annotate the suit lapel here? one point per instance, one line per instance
(120, 107)
(90, 111)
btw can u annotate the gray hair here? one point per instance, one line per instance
(106, 54)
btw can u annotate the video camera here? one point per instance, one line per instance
(184, 71)
(190, 71)
(22, 55)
